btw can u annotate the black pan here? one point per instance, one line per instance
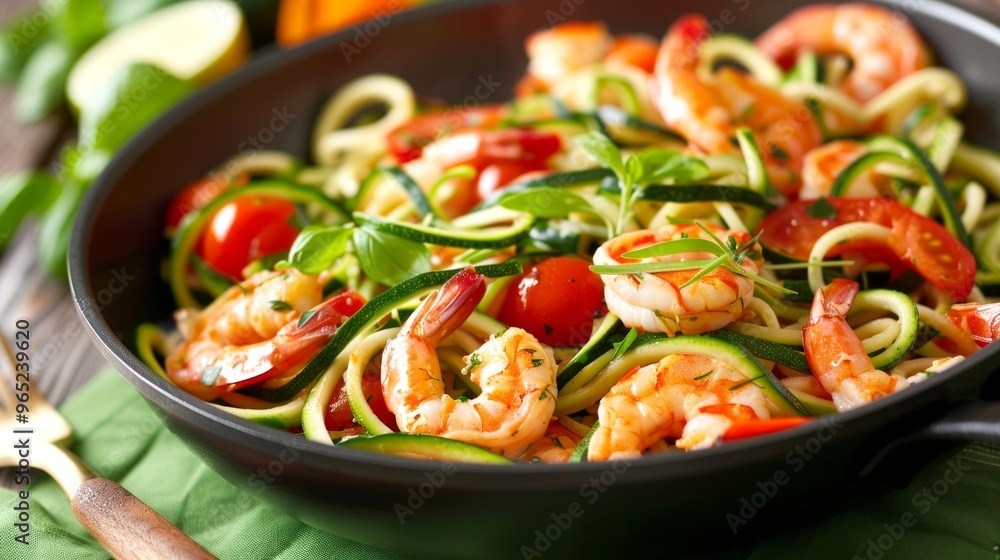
(678, 501)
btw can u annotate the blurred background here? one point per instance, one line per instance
(78, 79)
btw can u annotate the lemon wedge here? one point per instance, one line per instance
(197, 41)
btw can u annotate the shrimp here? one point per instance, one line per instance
(555, 446)
(554, 54)
(822, 165)
(882, 46)
(687, 396)
(660, 302)
(709, 114)
(250, 333)
(517, 375)
(835, 353)
(557, 52)
(981, 320)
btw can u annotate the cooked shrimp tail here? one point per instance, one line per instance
(446, 309)
(835, 352)
(515, 372)
(980, 320)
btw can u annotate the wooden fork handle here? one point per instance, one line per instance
(127, 527)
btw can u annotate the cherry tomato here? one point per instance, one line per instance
(407, 142)
(338, 412)
(193, 197)
(915, 242)
(480, 148)
(498, 175)
(245, 230)
(196, 195)
(556, 300)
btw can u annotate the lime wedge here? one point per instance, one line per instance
(197, 41)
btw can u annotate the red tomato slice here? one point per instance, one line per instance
(338, 413)
(498, 175)
(915, 242)
(407, 142)
(245, 230)
(556, 300)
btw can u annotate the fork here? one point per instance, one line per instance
(122, 523)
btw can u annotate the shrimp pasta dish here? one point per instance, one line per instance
(655, 245)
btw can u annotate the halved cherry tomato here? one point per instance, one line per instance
(407, 142)
(198, 194)
(338, 413)
(193, 197)
(752, 428)
(244, 230)
(480, 148)
(498, 175)
(915, 242)
(556, 300)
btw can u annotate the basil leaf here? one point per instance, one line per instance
(634, 169)
(125, 103)
(390, 259)
(22, 194)
(659, 165)
(318, 247)
(604, 151)
(43, 81)
(21, 37)
(545, 238)
(55, 226)
(547, 202)
(80, 23)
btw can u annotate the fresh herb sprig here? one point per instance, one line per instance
(729, 255)
(643, 168)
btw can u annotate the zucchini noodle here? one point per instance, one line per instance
(318, 397)
(839, 234)
(266, 163)
(938, 321)
(974, 200)
(733, 48)
(764, 311)
(331, 140)
(607, 211)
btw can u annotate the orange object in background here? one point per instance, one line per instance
(302, 20)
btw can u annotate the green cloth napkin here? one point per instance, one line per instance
(120, 438)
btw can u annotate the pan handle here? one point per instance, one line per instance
(977, 420)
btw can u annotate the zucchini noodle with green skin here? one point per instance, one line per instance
(640, 252)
